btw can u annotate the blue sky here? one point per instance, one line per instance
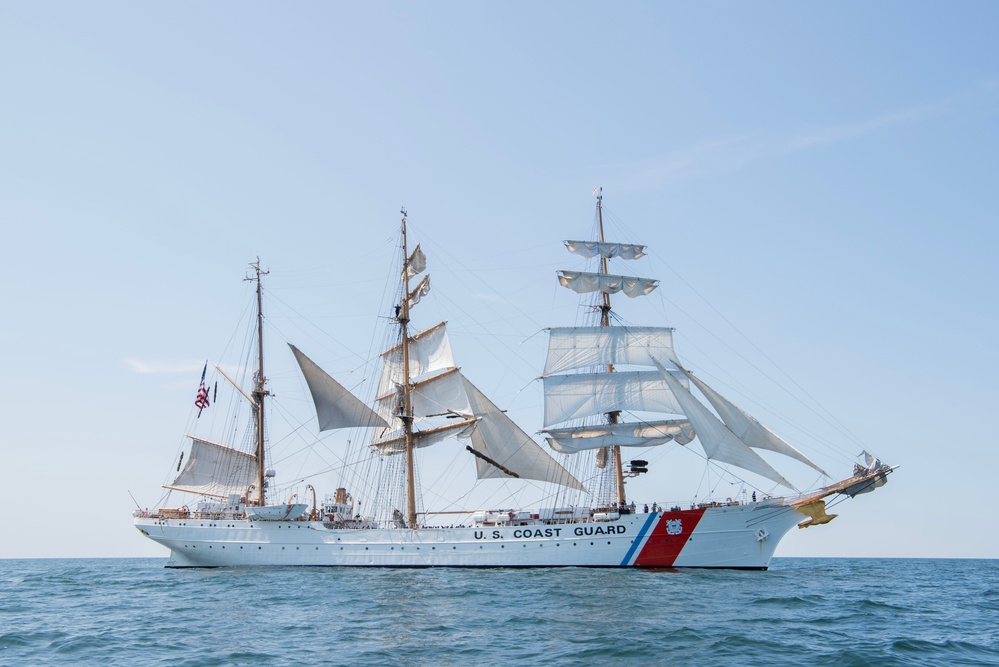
(816, 182)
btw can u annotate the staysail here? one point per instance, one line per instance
(744, 425)
(336, 407)
(719, 442)
(502, 441)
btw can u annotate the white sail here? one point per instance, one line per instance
(216, 470)
(744, 425)
(420, 291)
(719, 442)
(440, 394)
(584, 394)
(417, 263)
(579, 347)
(642, 434)
(395, 442)
(606, 250)
(429, 351)
(497, 437)
(581, 282)
(336, 407)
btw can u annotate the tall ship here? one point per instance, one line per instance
(609, 388)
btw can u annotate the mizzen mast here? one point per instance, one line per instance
(259, 390)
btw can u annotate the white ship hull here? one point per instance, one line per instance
(731, 536)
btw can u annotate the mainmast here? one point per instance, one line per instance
(259, 391)
(605, 308)
(407, 415)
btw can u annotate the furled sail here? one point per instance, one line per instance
(643, 434)
(719, 442)
(606, 250)
(216, 470)
(417, 263)
(336, 407)
(500, 439)
(579, 347)
(585, 394)
(429, 351)
(395, 442)
(582, 282)
(744, 425)
(420, 291)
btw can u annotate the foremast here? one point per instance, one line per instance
(605, 308)
(606, 283)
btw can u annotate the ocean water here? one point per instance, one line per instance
(841, 612)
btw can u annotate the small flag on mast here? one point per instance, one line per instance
(202, 402)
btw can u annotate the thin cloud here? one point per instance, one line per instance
(168, 367)
(824, 136)
(159, 367)
(729, 154)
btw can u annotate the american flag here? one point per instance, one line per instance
(201, 402)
